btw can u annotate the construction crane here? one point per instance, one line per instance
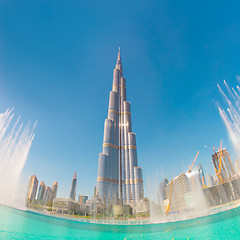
(204, 186)
(190, 168)
(168, 207)
(219, 170)
(214, 149)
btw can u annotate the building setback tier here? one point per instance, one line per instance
(119, 177)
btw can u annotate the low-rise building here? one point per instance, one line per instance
(140, 207)
(66, 206)
(121, 210)
(95, 206)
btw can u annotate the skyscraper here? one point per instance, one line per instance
(209, 180)
(32, 189)
(41, 191)
(197, 175)
(54, 188)
(175, 192)
(95, 191)
(48, 195)
(161, 190)
(119, 177)
(73, 187)
(226, 167)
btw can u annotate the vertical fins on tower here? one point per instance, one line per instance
(119, 177)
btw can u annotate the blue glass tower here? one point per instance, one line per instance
(73, 187)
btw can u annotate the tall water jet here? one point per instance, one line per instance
(231, 117)
(197, 204)
(15, 143)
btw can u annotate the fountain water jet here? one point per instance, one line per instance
(15, 143)
(231, 117)
(200, 202)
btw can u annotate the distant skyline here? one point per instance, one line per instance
(56, 63)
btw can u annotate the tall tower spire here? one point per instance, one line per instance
(119, 56)
(119, 63)
(119, 177)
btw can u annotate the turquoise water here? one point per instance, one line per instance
(16, 224)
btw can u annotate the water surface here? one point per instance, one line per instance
(16, 224)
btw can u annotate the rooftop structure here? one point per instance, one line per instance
(65, 205)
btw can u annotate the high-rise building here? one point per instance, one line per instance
(196, 176)
(41, 191)
(48, 195)
(161, 190)
(32, 189)
(179, 186)
(119, 177)
(54, 188)
(209, 180)
(95, 191)
(73, 187)
(226, 167)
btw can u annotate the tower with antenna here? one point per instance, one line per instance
(119, 178)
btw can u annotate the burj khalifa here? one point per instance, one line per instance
(119, 178)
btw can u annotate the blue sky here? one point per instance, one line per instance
(56, 65)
